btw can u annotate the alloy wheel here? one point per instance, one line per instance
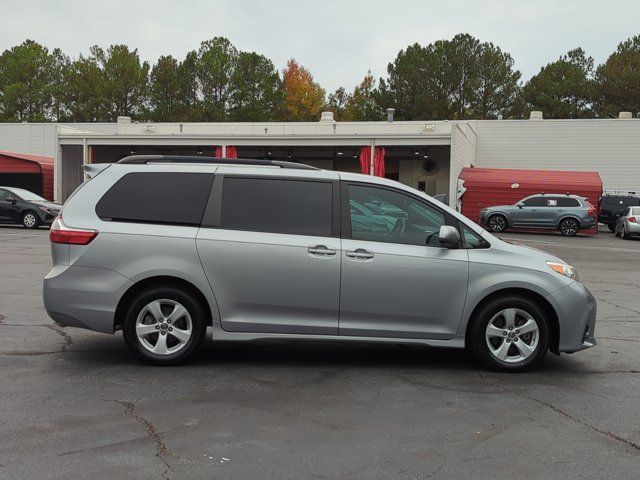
(512, 335)
(569, 227)
(164, 327)
(497, 223)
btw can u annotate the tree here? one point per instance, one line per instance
(303, 97)
(455, 79)
(83, 95)
(30, 80)
(217, 59)
(562, 89)
(256, 89)
(190, 105)
(361, 104)
(164, 90)
(618, 80)
(337, 103)
(124, 85)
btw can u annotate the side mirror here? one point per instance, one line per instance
(12, 200)
(519, 204)
(449, 237)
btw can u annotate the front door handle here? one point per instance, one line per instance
(321, 250)
(360, 253)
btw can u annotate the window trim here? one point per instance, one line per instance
(212, 217)
(150, 222)
(346, 211)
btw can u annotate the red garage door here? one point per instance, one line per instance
(486, 187)
(32, 172)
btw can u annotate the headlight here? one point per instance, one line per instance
(564, 269)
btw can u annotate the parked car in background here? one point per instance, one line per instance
(22, 207)
(613, 205)
(628, 224)
(567, 213)
(264, 249)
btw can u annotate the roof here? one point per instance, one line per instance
(556, 179)
(30, 158)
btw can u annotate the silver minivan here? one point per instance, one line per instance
(163, 247)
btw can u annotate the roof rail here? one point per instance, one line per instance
(144, 159)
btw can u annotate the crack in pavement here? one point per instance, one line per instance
(619, 306)
(567, 415)
(67, 340)
(162, 450)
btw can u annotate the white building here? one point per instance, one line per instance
(424, 154)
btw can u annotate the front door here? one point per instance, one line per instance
(273, 262)
(7, 209)
(397, 280)
(529, 214)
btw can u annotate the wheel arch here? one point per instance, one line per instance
(552, 315)
(169, 280)
(567, 216)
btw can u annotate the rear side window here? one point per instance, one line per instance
(295, 207)
(158, 197)
(568, 202)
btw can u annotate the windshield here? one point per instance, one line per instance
(26, 195)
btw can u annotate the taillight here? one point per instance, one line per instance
(632, 219)
(60, 233)
(592, 210)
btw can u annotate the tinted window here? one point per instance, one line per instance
(170, 198)
(295, 207)
(3, 194)
(568, 202)
(535, 202)
(472, 239)
(381, 215)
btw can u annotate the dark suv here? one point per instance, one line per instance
(612, 206)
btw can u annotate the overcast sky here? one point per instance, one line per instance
(337, 40)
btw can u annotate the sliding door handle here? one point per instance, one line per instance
(360, 254)
(321, 250)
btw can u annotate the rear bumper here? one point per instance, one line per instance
(84, 297)
(632, 228)
(577, 310)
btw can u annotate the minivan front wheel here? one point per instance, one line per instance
(509, 334)
(164, 325)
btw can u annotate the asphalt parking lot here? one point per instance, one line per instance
(75, 404)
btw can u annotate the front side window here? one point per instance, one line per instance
(535, 202)
(472, 239)
(3, 194)
(157, 197)
(295, 207)
(381, 215)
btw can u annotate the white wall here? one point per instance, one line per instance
(463, 154)
(608, 146)
(32, 138)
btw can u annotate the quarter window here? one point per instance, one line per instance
(381, 215)
(295, 207)
(157, 197)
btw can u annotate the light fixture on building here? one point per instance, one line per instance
(417, 153)
(427, 153)
(289, 155)
(340, 153)
(133, 151)
(199, 152)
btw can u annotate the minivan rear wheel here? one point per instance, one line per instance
(509, 334)
(164, 325)
(569, 227)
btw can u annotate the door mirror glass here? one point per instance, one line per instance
(449, 236)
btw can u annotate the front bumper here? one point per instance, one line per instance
(47, 218)
(84, 297)
(577, 310)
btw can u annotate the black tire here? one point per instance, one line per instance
(569, 227)
(477, 342)
(167, 293)
(623, 233)
(30, 220)
(612, 226)
(497, 223)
